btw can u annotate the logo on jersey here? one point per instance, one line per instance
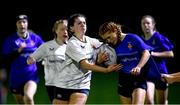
(51, 49)
(154, 42)
(82, 46)
(17, 42)
(129, 45)
(59, 95)
(32, 43)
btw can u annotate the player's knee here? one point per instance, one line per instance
(28, 99)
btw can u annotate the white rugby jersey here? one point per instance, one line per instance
(74, 77)
(53, 55)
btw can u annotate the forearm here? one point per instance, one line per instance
(176, 78)
(175, 74)
(164, 54)
(87, 66)
(144, 58)
(171, 78)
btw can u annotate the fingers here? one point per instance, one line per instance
(136, 71)
(163, 78)
(116, 67)
(30, 60)
(103, 56)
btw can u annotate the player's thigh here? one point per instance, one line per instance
(150, 89)
(59, 102)
(162, 96)
(30, 88)
(138, 96)
(78, 98)
(18, 98)
(125, 100)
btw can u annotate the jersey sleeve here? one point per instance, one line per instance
(95, 42)
(140, 44)
(7, 47)
(39, 53)
(166, 44)
(39, 40)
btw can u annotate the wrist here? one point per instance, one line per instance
(107, 70)
(138, 67)
(151, 53)
(20, 49)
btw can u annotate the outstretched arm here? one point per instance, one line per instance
(88, 66)
(166, 54)
(171, 78)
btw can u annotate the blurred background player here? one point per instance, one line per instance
(3, 85)
(162, 49)
(17, 47)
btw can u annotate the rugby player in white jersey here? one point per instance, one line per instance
(52, 53)
(74, 83)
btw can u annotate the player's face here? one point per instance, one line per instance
(110, 37)
(22, 26)
(79, 27)
(61, 32)
(147, 25)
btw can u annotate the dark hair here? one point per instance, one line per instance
(71, 21)
(21, 17)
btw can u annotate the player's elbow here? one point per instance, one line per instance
(84, 64)
(171, 54)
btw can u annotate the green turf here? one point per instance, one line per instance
(103, 91)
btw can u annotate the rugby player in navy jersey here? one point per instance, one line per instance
(16, 49)
(133, 54)
(162, 49)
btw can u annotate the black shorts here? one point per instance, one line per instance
(64, 94)
(50, 91)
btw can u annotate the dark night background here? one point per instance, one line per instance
(43, 14)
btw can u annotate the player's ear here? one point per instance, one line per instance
(71, 29)
(114, 30)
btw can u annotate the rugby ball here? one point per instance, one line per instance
(111, 54)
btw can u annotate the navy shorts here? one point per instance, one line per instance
(159, 84)
(154, 74)
(20, 88)
(155, 77)
(64, 94)
(129, 82)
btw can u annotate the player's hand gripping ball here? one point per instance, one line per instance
(111, 54)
